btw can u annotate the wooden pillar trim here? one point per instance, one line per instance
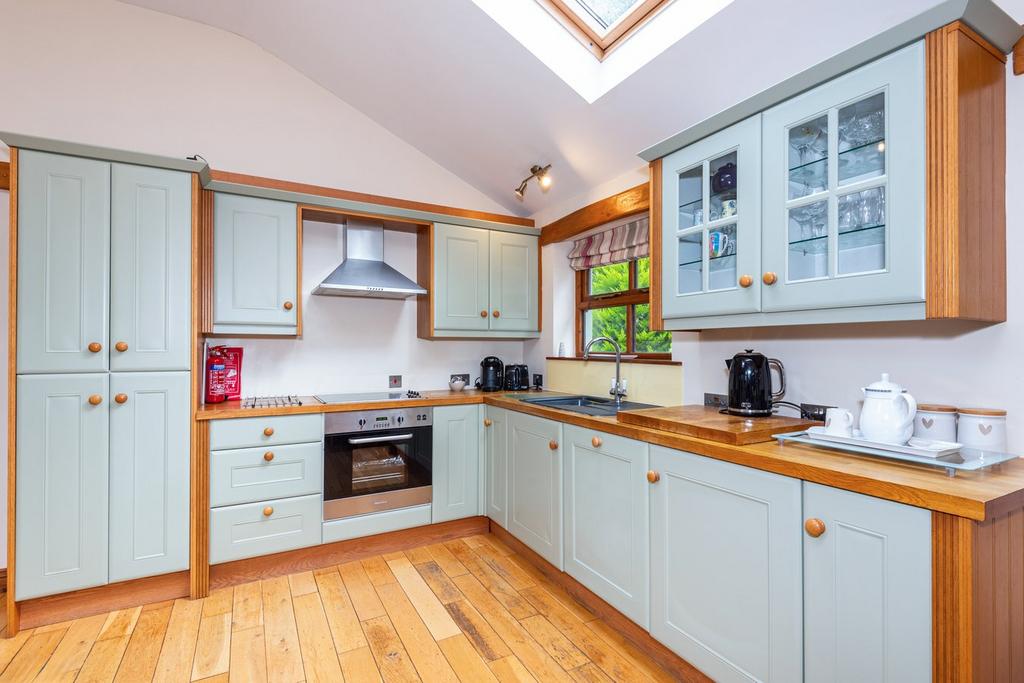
(13, 612)
(5, 175)
(1018, 57)
(952, 598)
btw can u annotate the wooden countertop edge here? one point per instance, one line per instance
(834, 469)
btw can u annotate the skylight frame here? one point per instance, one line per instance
(589, 32)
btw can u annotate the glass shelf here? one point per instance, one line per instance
(808, 179)
(694, 204)
(862, 162)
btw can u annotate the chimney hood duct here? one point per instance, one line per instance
(363, 272)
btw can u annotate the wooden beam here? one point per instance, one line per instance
(657, 322)
(1018, 57)
(5, 175)
(632, 201)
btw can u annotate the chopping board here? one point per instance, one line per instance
(704, 422)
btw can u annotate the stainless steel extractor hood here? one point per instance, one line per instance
(363, 272)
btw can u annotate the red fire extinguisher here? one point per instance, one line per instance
(223, 373)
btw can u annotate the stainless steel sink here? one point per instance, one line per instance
(588, 405)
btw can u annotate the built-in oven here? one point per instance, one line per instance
(377, 460)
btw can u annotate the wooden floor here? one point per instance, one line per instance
(465, 610)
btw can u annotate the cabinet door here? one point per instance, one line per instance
(725, 567)
(514, 282)
(844, 194)
(535, 484)
(255, 245)
(63, 263)
(61, 537)
(456, 462)
(461, 265)
(496, 486)
(150, 268)
(867, 589)
(607, 528)
(149, 473)
(711, 233)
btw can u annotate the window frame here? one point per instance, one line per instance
(630, 298)
(601, 44)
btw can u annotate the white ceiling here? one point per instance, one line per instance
(443, 76)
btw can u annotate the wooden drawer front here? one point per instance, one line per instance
(243, 531)
(249, 432)
(245, 475)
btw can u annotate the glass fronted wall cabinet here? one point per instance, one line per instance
(845, 203)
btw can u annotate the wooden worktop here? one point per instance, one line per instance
(974, 495)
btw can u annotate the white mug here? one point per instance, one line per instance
(839, 422)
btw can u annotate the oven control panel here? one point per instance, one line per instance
(377, 420)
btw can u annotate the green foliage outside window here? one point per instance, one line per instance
(612, 321)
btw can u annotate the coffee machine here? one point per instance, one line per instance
(492, 374)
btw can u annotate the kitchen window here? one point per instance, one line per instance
(614, 300)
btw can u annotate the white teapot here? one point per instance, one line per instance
(888, 413)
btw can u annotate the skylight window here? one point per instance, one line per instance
(605, 12)
(602, 24)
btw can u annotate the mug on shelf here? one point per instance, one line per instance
(728, 208)
(718, 244)
(982, 428)
(935, 422)
(839, 422)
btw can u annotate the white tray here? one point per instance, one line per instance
(922, 448)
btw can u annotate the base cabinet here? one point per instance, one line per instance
(535, 485)
(496, 464)
(726, 567)
(867, 589)
(605, 518)
(456, 462)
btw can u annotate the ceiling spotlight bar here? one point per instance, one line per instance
(541, 173)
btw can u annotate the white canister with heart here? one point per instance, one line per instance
(935, 422)
(983, 428)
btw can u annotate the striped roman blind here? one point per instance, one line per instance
(624, 242)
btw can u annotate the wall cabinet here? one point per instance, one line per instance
(62, 468)
(535, 484)
(496, 422)
(486, 283)
(726, 584)
(605, 518)
(867, 589)
(149, 473)
(256, 245)
(456, 452)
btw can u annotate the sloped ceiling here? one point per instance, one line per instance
(447, 79)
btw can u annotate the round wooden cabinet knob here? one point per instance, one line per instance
(288, 305)
(496, 314)
(814, 527)
(653, 477)
(596, 442)
(488, 422)
(746, 281)
(769, 278)
(483, 314)
(121, 346)
(553, 445)
(121, 398)
(95, 347)
(95, 399)
(269, 431)
(267, 511)
(268, 456)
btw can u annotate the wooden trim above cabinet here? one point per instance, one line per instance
(655, 181)
(626, 203)
(13, 621)
(1018, 57)
(965, 256)
(5, 175)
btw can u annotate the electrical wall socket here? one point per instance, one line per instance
(716, 400)
(463, 377)
(813, 411)
(394, 381)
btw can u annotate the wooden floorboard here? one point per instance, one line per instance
(468, 609)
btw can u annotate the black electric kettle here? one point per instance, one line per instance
(750, 384)
(492, 374)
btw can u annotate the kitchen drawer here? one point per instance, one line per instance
(241, 531)
(376, 523)
(245, 475)
(248, 432)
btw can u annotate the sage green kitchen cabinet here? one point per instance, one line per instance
(456, 458)
(255, 266)
(150, 268)
(486, 283)
(606, 518)
(62, 471)
(726, 586)
(149, 473)
(514, 281)
(63, 263)
(867, 588)
(535, 484)
(496, 422)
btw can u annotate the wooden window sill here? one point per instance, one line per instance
(611, 359)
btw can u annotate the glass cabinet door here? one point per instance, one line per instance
(844, 190)
(711, 230)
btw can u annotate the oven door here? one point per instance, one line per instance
(375, 471)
